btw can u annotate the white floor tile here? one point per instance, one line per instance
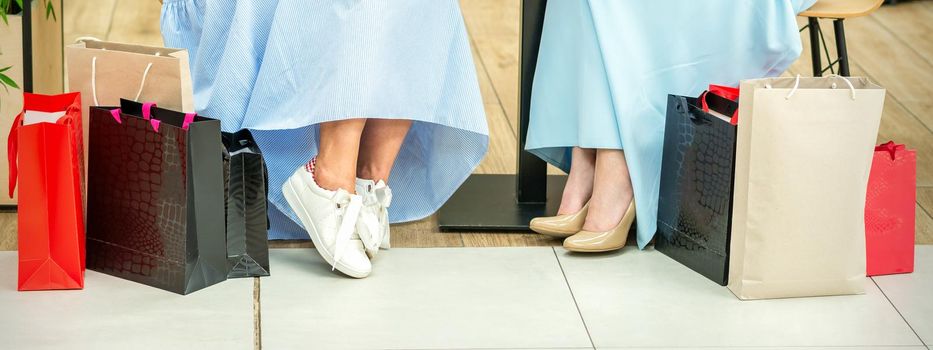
(912, 293)
(646, 299)
(782, 348)
(426, 298)
(111, 313)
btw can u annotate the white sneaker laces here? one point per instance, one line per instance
(351, 206)
(381, 198)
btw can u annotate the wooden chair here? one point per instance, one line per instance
(838, 10)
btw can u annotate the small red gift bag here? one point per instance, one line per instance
(47, 165)
(889, 210)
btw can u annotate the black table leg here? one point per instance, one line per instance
(814, 27)
(840, 32)
(509, 202)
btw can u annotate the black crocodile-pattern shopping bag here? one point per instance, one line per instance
(697, 171)
(155, 198)
(247, 183)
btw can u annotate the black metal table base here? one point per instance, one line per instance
(509, 202)
(489, 203)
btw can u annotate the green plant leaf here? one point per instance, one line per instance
(4, 69)
(19, 2)
(3, 16)
(49, 10)
(6, 81)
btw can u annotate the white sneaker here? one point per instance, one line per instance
(373, 225)
(330, 218)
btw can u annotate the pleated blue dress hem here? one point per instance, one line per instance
(282, 67)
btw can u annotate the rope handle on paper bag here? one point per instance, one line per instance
(833, 86)
(142, 82)
(82, 39)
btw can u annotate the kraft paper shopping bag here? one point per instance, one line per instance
(803, 154)
(104, 72)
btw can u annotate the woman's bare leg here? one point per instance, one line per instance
(337, 156)
(579, 185)
(381, 141)
(612, 191)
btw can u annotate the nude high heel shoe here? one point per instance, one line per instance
(594, 242)
(560, 226)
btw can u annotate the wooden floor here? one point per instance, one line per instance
(893, 47)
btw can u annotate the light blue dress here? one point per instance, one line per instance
(280, 67)
(605, 68)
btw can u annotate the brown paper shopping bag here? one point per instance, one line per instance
(803, 154)
(104, 72)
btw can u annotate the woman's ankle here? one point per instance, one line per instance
(372, 173)
(605, 212)
(331, 180)
(574, 198)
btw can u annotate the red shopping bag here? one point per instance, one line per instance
(47, 165)
(727, 92)
(889, 210)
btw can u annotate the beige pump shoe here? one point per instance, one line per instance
(595, 242)
(560, 226)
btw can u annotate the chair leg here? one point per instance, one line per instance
(814, 27)
(840, 32)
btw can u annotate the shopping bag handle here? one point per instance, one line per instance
(12, 145)
(147, 115)
(142, 82)
(149, 111)
(116, 115)
(720, 104)
(833, 86)
(724, 96)
(732, 93)
(189, 118)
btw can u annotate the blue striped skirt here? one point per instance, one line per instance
(281, 67)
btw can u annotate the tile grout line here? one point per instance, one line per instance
(574, 298)
(924, 209)
(257, 316)
(898, 311)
